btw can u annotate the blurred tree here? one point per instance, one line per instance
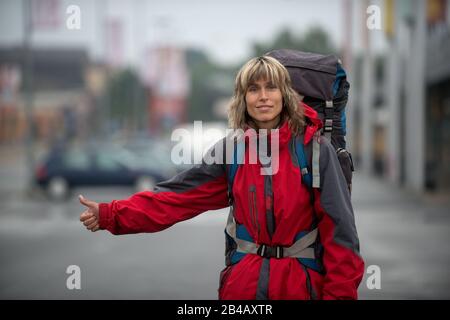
(125, 101)
(209, 82)
(314, 40)
(317, 40)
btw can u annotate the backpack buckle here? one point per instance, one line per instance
(270, 252)
(230, 198)
(328, 125)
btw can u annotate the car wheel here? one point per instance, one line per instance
(58, 188)
(144, 183)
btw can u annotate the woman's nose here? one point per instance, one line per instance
(263, 95)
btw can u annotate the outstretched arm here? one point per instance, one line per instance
(186, 195)
(191, 192)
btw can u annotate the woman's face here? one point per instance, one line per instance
(264, 103)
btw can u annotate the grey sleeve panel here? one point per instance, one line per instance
(335, 197)
(197, 175)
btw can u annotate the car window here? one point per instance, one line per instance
(106, 162)
(152, 156)
(76, 160)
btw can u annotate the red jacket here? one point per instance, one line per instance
(284, 197)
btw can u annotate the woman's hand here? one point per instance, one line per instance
(90, 217)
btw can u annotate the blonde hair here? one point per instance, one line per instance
(270, 69)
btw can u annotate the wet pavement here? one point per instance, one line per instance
(404, 234)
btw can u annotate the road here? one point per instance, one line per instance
(404, 234)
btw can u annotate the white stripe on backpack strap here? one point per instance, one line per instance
(315, 161)
(328, 122)
(300, 248)
(242, 245)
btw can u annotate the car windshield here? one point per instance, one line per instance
(114, 157)
(108, 162)
(76, 159)
(151, 155)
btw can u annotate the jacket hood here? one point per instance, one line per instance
(315, 122)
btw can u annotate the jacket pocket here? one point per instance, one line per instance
(224, 275)
(316, 283)
(253, 208)
(311, 292)
(313, 285)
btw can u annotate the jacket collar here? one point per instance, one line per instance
(315, 122)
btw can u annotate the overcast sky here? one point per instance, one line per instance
(225, 29)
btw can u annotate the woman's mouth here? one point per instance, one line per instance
(264, 107)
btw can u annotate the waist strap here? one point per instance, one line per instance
(300, 248)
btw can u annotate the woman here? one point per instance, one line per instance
(284, 240)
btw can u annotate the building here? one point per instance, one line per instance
(402, 104)
(167, 79)
(58, 92)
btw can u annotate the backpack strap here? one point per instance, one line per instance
(310, 177)
(237, 159)
(328, 120)
(303, 162)
(315, 160)
(309, 152)
(329, 105)
(301, 248)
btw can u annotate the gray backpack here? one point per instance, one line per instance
(323, 83)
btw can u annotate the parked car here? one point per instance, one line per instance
(151, 153)
(66, 168)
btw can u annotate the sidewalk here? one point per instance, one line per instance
(406, 235)
(13, 173)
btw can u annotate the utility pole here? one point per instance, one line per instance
(28, 92)
(367, 98)
(347, 60)
(393, 71)
(415, 101)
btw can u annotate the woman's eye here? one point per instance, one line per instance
(252, 89)
(271, 86)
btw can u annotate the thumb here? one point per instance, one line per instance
(86, 202)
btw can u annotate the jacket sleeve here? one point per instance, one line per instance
(191, 192)
(344, 267)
